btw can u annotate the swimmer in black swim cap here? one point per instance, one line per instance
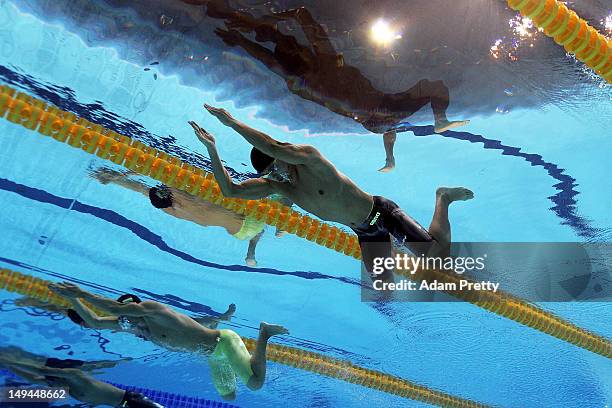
(166, 327)
(182, 205)
(79, 384)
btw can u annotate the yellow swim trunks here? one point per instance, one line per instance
(250, 228)
(229, 360)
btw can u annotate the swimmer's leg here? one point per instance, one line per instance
(258, 359)
(389, 142)
(378, 246)
(440, 228)
(424, 92)
(212, 322)
(250, 257)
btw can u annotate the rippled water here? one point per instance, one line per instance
(538, 169)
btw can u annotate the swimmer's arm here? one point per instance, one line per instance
(132, 185)
(28, 375)
(106, 176)
(110, 306)
(115, 308)
(287, 152)
(251, 189)
(71, 291)
(91, 318)
(40, 370)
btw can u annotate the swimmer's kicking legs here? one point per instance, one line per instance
(304, 175)
(227, 354)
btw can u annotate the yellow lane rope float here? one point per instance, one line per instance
(566, 28)
(344, 370)
(65, 127)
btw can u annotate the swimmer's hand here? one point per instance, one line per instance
(66, 289)
(202, 134)
(224, 116)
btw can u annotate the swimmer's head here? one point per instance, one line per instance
(269, 167)
(128, 298)
(261, 161)
(160, 196)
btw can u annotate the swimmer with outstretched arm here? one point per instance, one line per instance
(316, 71)
(227, 355)
(80, 385)
(307, 178)
(181, 205)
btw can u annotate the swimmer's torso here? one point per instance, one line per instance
(323, 191)
(177, 332)
(206, 214)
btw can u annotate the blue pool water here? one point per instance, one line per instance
(540, 174)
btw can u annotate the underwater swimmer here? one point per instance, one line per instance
(184, 206)
(317, 72)
(227, 355)
(80, 385)
(308, 179)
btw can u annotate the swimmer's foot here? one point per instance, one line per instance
(444, 125)
(389, 165)
(231, 309)
(250, 262)
(454, 194)
(268, 330)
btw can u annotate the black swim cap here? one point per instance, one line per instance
(75, 317)
(260, 160)
(128, 298)
(160, 196)
(63, 363)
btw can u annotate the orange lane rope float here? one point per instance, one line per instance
(94, 139)
(37, 288)
(566, 28)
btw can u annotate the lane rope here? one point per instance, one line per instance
(572, 32)
(344, 370)
(65, 127)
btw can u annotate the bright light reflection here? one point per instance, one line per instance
(383, 33)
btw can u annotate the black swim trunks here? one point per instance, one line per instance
(385, 219)
(137, 400)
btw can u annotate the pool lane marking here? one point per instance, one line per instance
(149, 236)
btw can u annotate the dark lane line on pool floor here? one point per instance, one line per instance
(199, 310)
(564, 201)
(65, 98)
(148, 236)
